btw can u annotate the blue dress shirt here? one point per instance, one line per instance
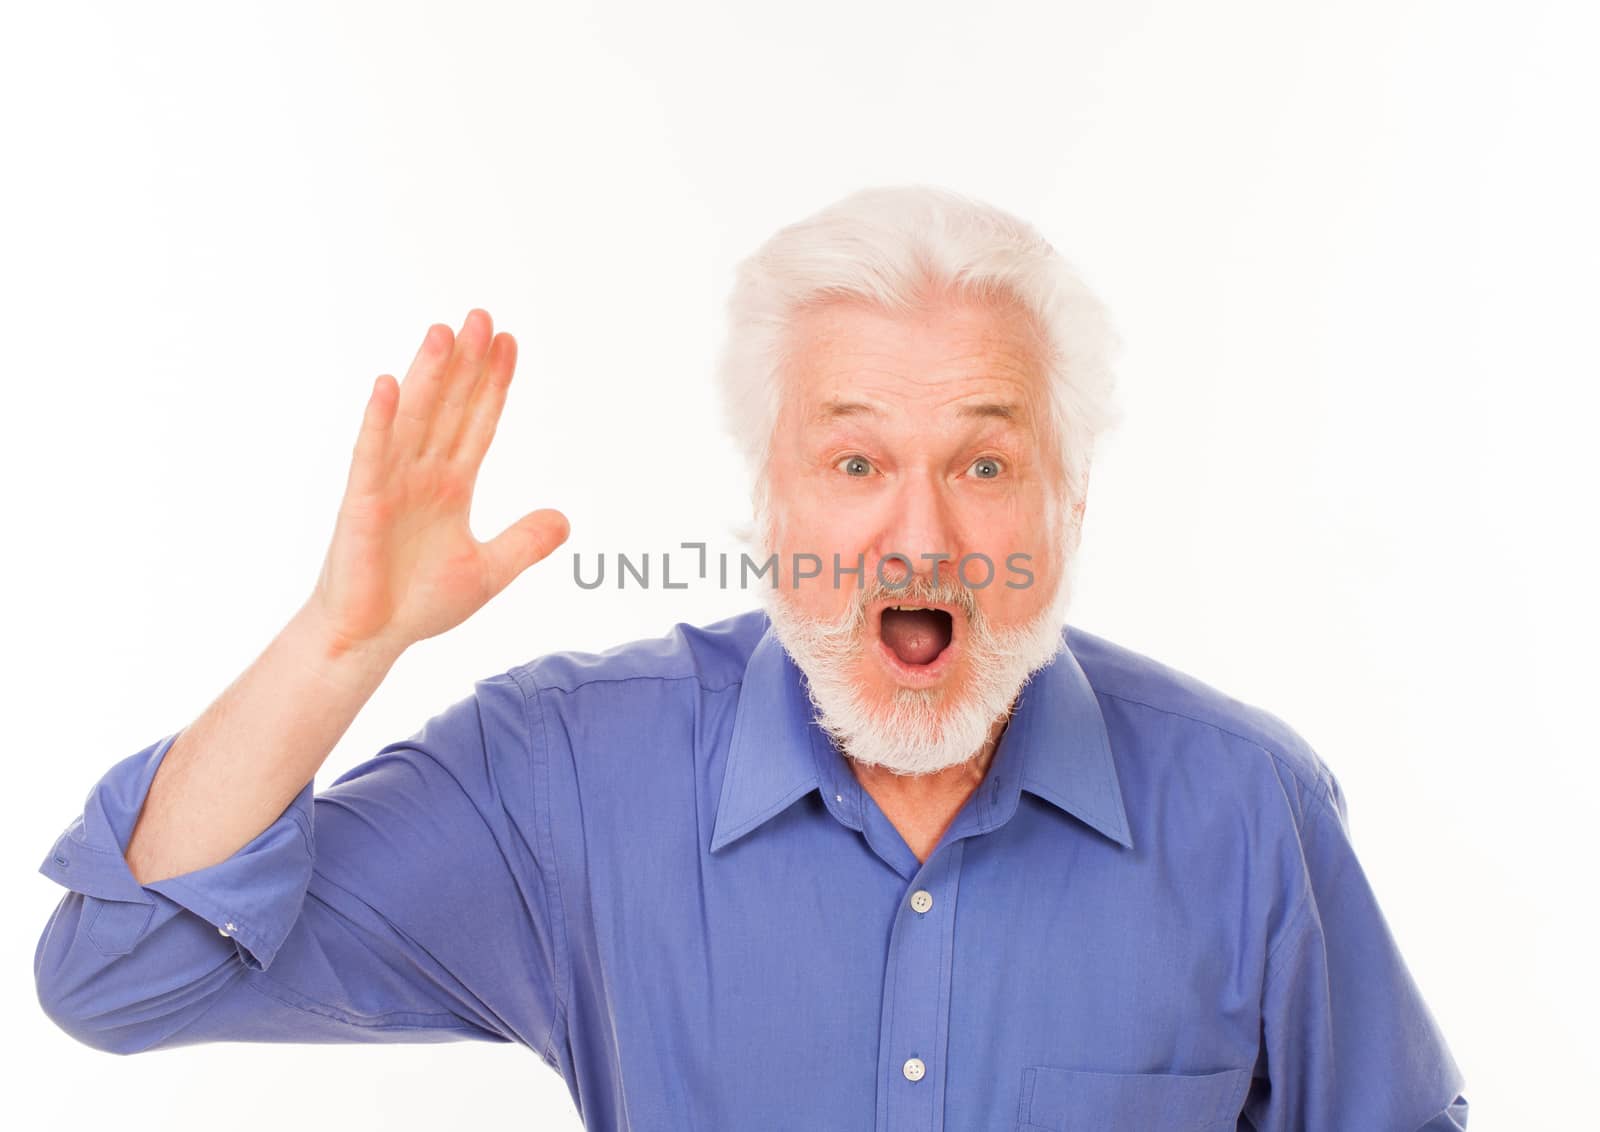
(652, 867)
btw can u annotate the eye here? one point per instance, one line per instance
(857, 466)
(986, 468)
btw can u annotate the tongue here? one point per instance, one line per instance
(917, 635)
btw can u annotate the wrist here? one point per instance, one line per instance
(336, 654)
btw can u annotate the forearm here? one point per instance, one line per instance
(232, 771)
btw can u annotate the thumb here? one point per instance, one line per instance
(528, 540)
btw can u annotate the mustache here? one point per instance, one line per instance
(917, 590)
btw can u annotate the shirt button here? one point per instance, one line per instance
(914, 1069)
(228, 929)
(921, 900)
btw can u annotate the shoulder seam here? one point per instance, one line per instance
(1307, 897)
(580, 685)
(539, 757)
(1315, 789)
(1293, 933)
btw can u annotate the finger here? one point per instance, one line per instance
(488, 399)
(368, 461)
(418, 391)
(472, 344)
(525, 542)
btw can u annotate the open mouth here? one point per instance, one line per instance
(917, 637)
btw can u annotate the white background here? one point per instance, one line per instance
(1351, 249)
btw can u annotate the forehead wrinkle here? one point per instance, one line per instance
(989, 373)
(1004, 401)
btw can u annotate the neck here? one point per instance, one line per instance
(921, 807)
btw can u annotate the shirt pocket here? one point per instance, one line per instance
(1078, 1100)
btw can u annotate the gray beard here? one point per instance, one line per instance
(919, 731)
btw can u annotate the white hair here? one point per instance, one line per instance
(894, 247)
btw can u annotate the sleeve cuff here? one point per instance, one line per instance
(253, 897)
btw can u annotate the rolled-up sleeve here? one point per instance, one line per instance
(1347, 1040)
(253, 897)
(407, 902)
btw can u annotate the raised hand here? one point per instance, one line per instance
(403, 565)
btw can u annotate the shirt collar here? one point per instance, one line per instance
(1055, 747)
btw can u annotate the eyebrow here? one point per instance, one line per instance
(1002, 410)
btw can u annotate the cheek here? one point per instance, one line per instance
(815, 528)
(817, 537)
(1032, 573)
(1003, 532)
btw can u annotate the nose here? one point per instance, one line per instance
(920, 522)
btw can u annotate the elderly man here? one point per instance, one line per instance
(899, 850)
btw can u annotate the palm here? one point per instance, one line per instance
(404, 565)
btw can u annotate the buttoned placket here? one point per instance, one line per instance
(914, 1025)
